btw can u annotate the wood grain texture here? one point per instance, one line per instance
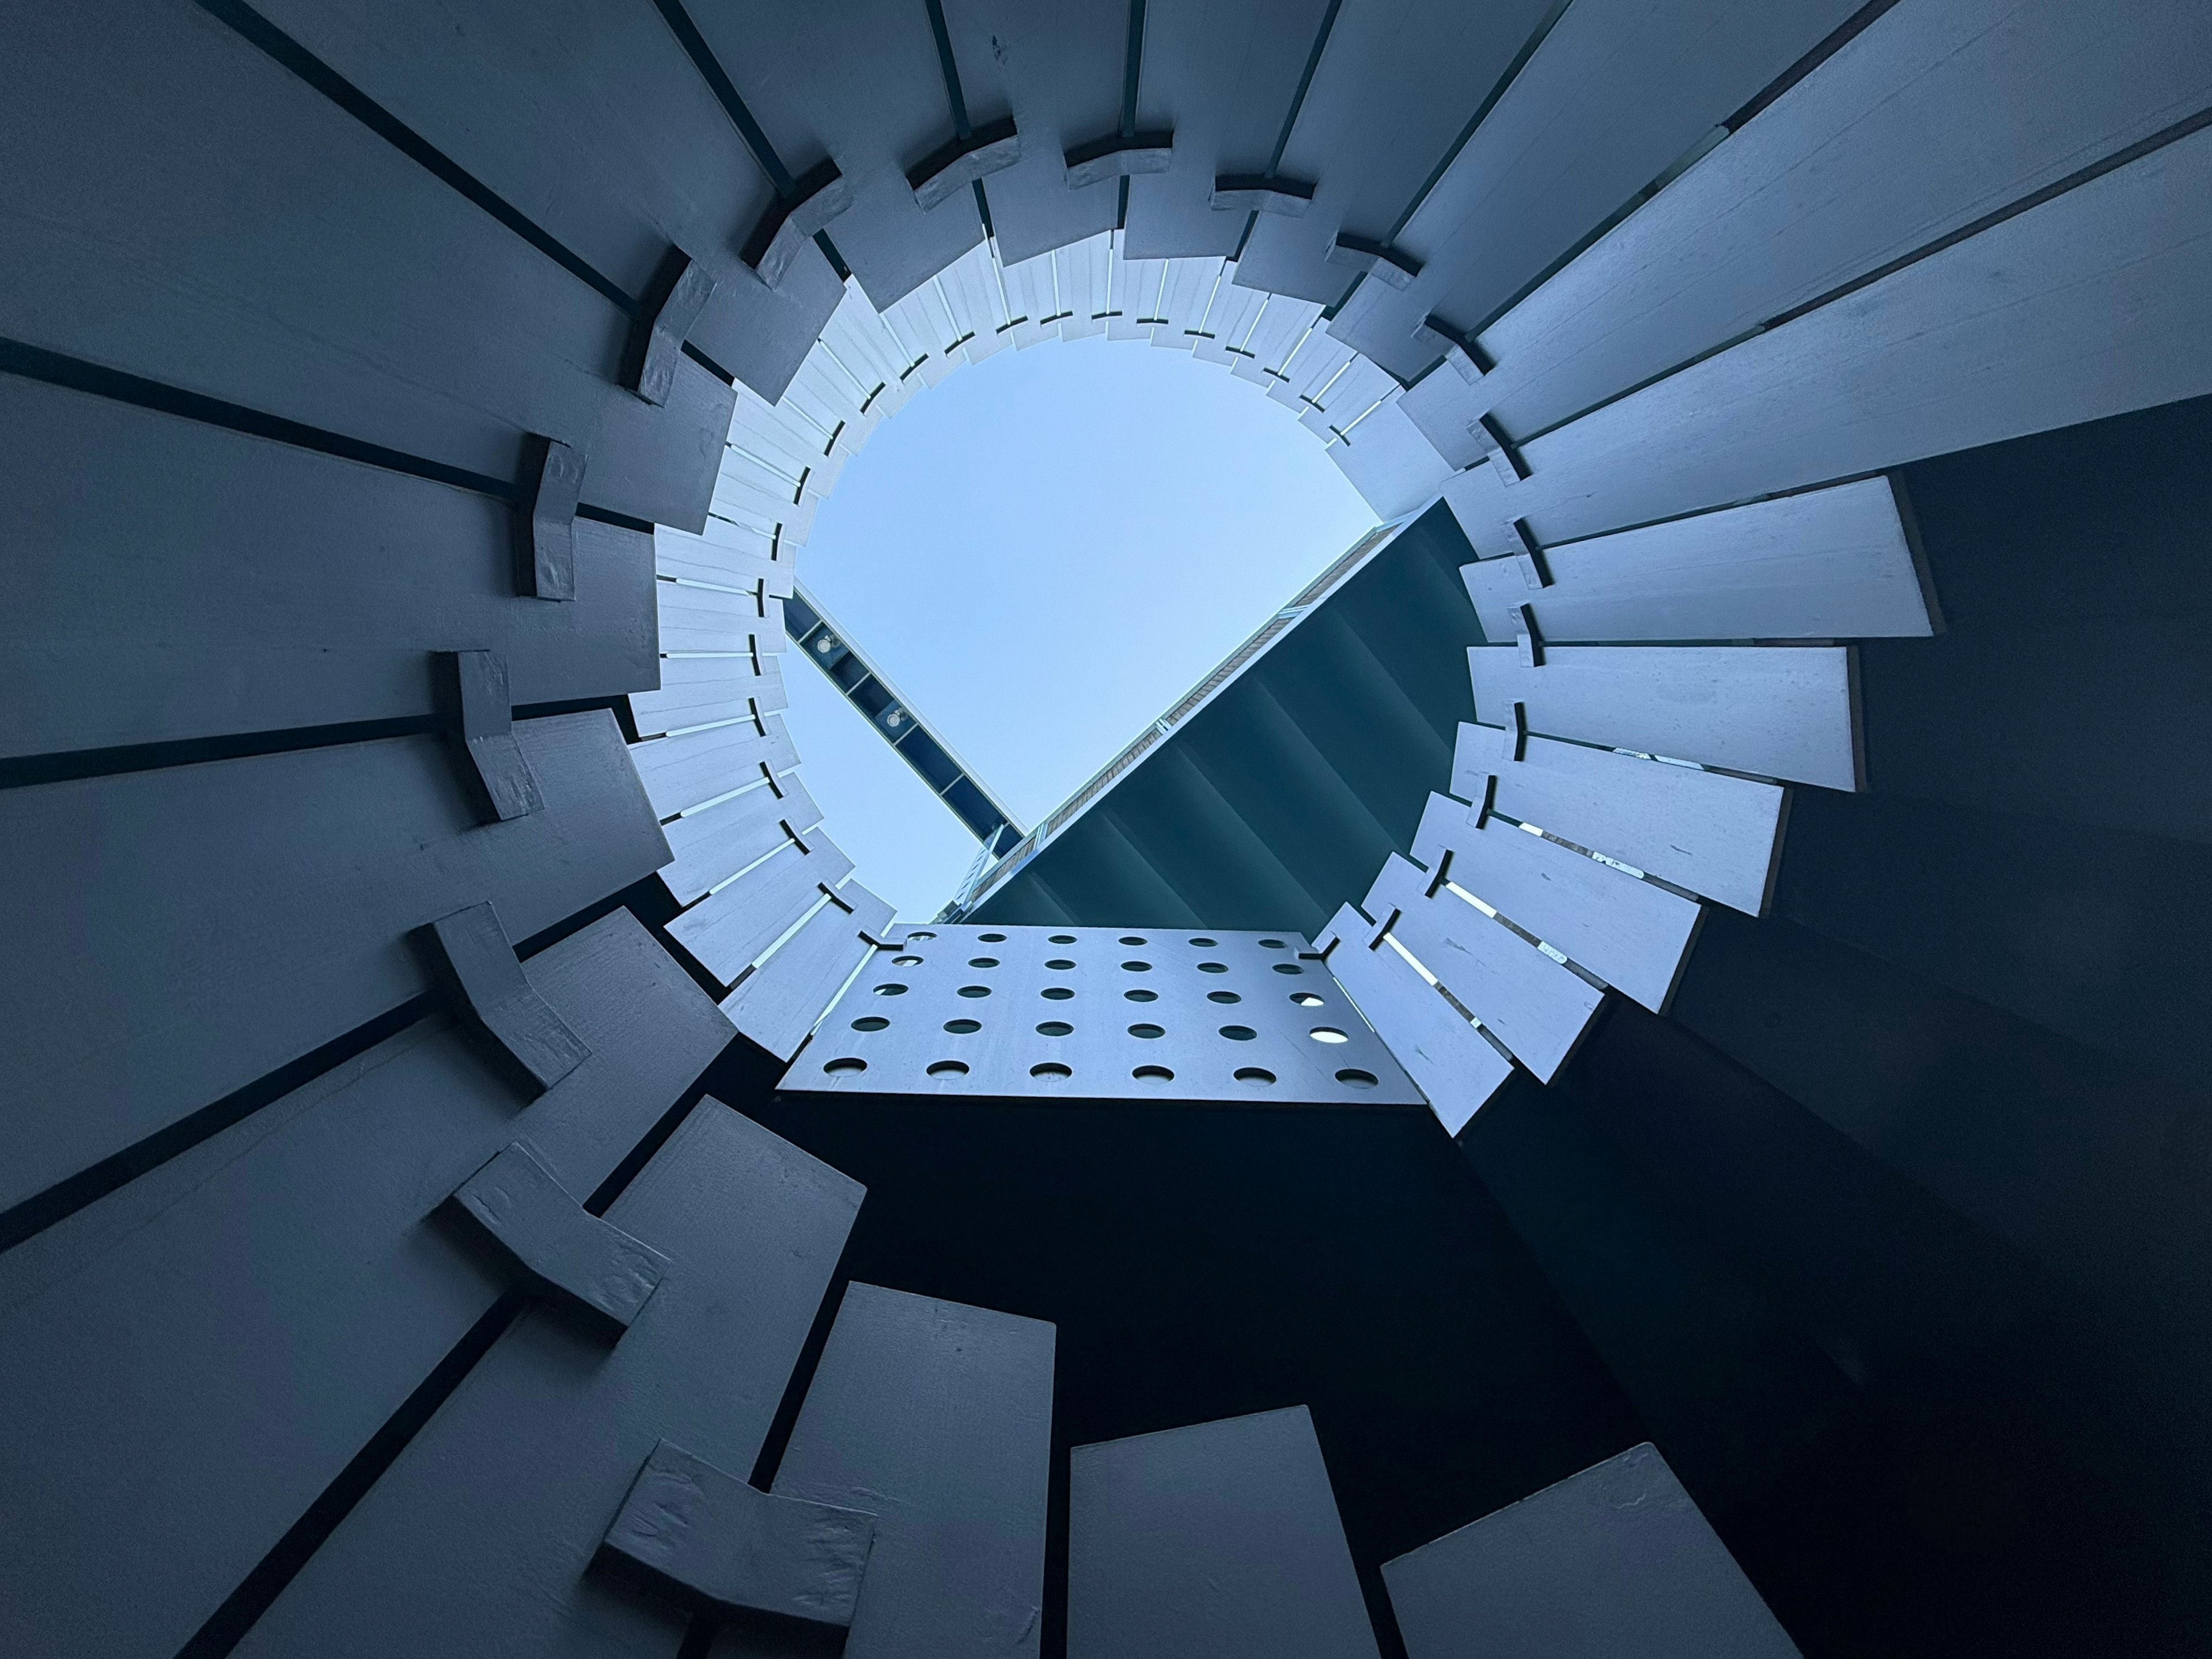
(1220, 1540)
(171, 579)
(478, 1539)
(726, 932)
(938, 1416)
(186, 210)
(193, 1372)
(717, 841)
(176, 935)
(778, 1005)
(1828, 564)
(1785, 712)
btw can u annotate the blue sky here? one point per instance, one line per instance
(1043, 553)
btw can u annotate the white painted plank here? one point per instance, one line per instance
(727, 931)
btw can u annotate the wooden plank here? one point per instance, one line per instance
(1933, 116)
(729, 930)
(1617, 93)
(695, 617)
(708, 690)
(1713, 834)
(198, 1375)
(878, 111)
(1785, 712)
(777, 1004)
(1615, 1560)
(1370, 152)
(939, 1417)
(717, 841)
(1534, 1007)
(173, 579)
(725, 555)
(1829, 564)
(1220, 1539)
(348, 288)
(1631, 935)
(680, 773)
(597, 124)
(1455, 1065)
(176, 935)
(2081, 307)
(478, 1539)
(1221, 75)
(1393, 466)
(1056, 67)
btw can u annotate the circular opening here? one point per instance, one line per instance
(1205, 943)
(1222, 996)
(974, 990)
(870, 1022)
(1131, 938)
(1352, 1077)
(1153, 1074)
(1255, 1074)
(1288, 968)
(1136, 966)
(983, 961)
(948, 1068)
(1060, 965)
(848, 1064)
(919, 933)
(961, 1027)
(890, 988)
(1305, 999)
(1063, 938)
(1265, 945)
(1141, 996)
(1238, 1033)
(1050, 1068)
(1056, 993)
(1328, 1034)
(1212, 967)
(991, 939)
(1142, 1029)
(906, 962)
(1054, 1027)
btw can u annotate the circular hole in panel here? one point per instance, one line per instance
(1222, 996)
(1131, 938)
(1143, 1029)
(1205, 943)
(918, 933)
(1255, 1074)
(891, 987)
(991, 939)
(1141, 996)
(1056, 993)
(906, 962)
(848, 1064)
(1328, 1034)
(1238, 1033)
(1305, 999)
(1134, 967)
(1054, 1027)
(1153, 1074)
(870, 1023)
(948, 1068)
(1050, 1068)
(1060, 965)
(983, 961)
(1288, 968)
(1269, 945)
(1212, 967)
(1062, 938)
(974, 990)
(961, 1027)
(1352, 1077)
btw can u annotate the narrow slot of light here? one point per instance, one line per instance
(740, 875)
(1452, 886)
(784, 938)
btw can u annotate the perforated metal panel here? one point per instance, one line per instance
(1101, 1012)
